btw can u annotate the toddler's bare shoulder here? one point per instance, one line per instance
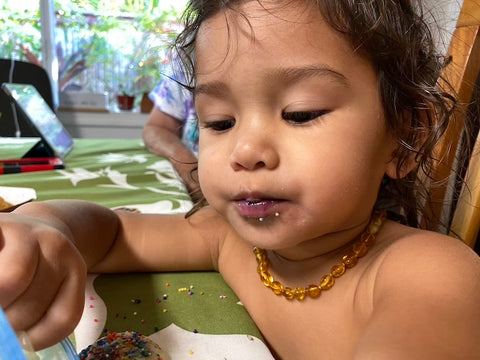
(424, 295)
(417, 261)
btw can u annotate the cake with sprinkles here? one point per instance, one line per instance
(125, 345)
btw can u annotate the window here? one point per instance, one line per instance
(111, 47)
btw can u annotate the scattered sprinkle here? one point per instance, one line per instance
(190, 352)
(136, 301)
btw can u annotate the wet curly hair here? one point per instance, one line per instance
(395, 37)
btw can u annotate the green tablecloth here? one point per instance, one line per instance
(191, 315)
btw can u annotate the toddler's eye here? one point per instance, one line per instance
(300, 117)
(219, 125)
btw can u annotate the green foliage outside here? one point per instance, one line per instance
(127, 38)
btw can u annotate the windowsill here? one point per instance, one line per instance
(92, 124)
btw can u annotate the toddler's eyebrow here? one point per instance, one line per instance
(293, 74)
(215, 88)
(287, 75)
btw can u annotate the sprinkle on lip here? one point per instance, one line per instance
(257, 208)
(254, 202)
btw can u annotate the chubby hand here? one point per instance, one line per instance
(42, 278)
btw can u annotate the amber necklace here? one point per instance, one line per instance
(358, 250)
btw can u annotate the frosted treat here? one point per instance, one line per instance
(125, 345)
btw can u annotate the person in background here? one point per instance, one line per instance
(171, 129)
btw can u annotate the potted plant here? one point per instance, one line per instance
(125, 99)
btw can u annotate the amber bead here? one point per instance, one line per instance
(338, 270)
(326, 282)
(267, 279)
(259, 254)
(350, 260)
(288, 293)
(368, 239)
(299, 293)
(360, 249)
(262, 266)
(313, 291)
(277, 287)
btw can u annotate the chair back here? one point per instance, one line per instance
(460, 218)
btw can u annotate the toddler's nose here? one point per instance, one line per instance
(254, 149)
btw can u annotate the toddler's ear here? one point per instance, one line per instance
(395, 170)
(405, 156)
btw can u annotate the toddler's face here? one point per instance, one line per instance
(293, 144)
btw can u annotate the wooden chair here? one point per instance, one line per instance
(462, 218)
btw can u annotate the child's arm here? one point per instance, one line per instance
(46, 248)
(426, 303)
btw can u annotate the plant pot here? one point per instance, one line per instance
(125, 102)
(146, 105)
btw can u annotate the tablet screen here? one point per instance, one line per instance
(41, 116)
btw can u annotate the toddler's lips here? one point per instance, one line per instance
(257, 208)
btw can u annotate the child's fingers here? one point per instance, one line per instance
(18, 263)
(29, 307)
(63, 314)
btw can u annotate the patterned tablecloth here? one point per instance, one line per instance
(192, 315)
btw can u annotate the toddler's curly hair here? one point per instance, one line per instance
(395, 37)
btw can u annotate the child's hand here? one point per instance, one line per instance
(42, 278)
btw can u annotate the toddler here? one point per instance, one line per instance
(316, 119)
